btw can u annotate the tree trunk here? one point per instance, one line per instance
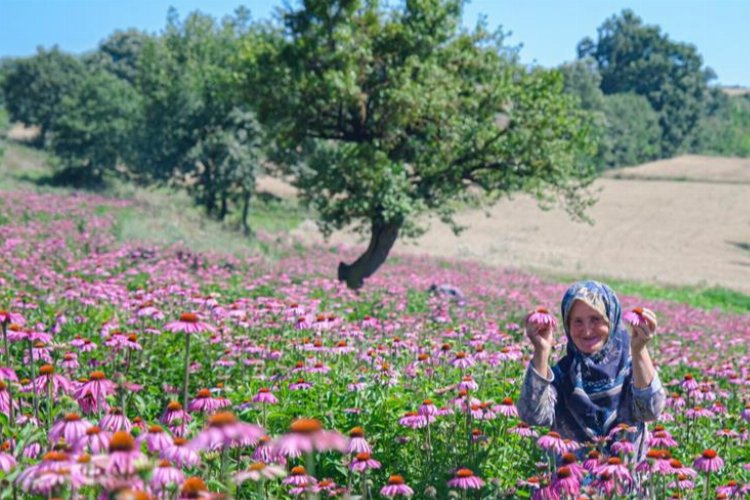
(246, 211)
(223, 209)
(382, 238)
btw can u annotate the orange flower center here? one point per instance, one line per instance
(193, 486)
(298, 470)
(121, 441)
(204, 393)
(97, 375)
(563, 472)
(55, 456)
(395, 479)
(362, 457)
(306, 426)
(174, 406)
(72, 417)
(464, 473)
(222, 419)
(189, 318)
(257, 466)
(357, 432)
(46, 370)
(155, 429)
(709, 454)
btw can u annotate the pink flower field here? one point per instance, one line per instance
(130, 371)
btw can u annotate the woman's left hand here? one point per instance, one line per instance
(642, 334)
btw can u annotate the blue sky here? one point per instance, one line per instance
(547, 29)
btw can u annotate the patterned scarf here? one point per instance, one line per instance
(591, 386)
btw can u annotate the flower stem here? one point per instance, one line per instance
(187, 373)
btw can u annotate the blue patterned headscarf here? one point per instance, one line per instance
(591, 385)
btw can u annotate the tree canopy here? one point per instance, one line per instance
(634, 57)
(399, 112)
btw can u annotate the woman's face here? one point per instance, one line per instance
(588, 328)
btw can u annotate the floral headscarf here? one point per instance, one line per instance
(591, 385)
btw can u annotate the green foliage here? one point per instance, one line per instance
(724, 129)
(626, 125)
(95, 125)
(34, 87)
(195, 131)
(396, 112)
(631, 133)
(119, 54)
(638, 58)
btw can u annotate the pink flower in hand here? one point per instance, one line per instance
(635, 317)
(542, 316)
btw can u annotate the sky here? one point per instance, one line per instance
(547, 30)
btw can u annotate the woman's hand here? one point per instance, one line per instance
(540, 335)
(642, 334)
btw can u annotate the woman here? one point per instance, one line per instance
(606, 377)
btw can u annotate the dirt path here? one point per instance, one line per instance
(681, 232)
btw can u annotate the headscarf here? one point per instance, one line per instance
(592, 385)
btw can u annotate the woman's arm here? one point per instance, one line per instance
(648, 394)
(538, 397)
(643, 368)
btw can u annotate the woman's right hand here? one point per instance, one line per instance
(541, 336)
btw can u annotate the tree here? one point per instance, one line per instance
(398, 112)
(94, 127)
(631, 131)
(627, 127)
(638, 58)
(193, 120)
(35, 86)
(119, 53)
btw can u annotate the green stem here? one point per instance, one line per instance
(33, 384)
(187, 373)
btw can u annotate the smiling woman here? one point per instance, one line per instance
(605, 387)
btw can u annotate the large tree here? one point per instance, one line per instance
(398, 112)
(639, 58)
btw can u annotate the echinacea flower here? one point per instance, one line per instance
(123, 455)
(71, 428)
(634, 317)
(156, 439)
(566, 482)
(193, 487)
(204, 403)
(357, 442)
(363, 461)
(98, 387)
(257, 471)
(299, 477)
(189, 323)
(709, 461)
(396, 487)
(552, 442)
(225, 431)
(181, 454)
(165, 476)
(265, 396)
(7, 461)
(542, 316)
(307, 435)
(465, 480)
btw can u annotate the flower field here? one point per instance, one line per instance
(131, 371)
